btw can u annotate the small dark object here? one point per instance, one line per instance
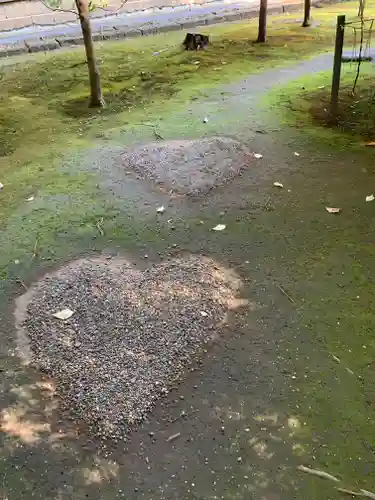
(195, 41)
(349, 59)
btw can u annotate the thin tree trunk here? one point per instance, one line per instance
(96, 99)
(361, 8)
(306, 18)
(262, 31)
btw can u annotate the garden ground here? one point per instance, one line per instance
(291, 381)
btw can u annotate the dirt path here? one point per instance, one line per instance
(268, 395)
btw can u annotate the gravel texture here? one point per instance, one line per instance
(132, 334)
(188, 167)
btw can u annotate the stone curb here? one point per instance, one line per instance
(49, 44)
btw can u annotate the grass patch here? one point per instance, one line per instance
(55, 86)
(356, 112)
(43, 100)
(305, 104)
(331, 279)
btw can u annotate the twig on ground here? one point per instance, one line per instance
(286, 240)
(267, 202)
(319, 473)
(98, 225)
(286, 295)
(18, 280)
(173, 437)
(368, 494)
(35, 247)
(158, 136)
(183, 414)
(350, 492)
(338, 360)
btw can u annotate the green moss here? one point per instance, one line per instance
(331, 282)
(306, 102)
(43, 100)
(324, 262)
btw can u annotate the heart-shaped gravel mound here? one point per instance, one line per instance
(126, 334)
(188, 167)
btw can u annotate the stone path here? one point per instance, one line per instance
(37, 38)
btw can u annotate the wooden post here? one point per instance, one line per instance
(337, 60)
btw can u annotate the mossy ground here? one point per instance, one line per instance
(332, 276)
(324, 262)
(43, 102)
(356, 116)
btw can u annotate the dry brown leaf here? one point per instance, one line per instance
(333, 210)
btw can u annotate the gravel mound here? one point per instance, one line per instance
(131, 336)
(188, 167)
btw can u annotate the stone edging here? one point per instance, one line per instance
(49, 44)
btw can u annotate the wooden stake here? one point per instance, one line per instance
(339, 44)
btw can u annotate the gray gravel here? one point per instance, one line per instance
(189, 167)
(131, 336)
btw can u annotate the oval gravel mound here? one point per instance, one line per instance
(132, 333)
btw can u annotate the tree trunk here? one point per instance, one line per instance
(306, 18)
(262, 31)
(96, 100)
(361, 8)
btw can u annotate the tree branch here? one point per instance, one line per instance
(53, 9)
(112, 11)
(57, 9)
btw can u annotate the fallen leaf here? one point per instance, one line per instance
(332, 210)
(63, 314)
(258, 156)
(160, 210)
(278, 184)
(370, 197)
(219, 227)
